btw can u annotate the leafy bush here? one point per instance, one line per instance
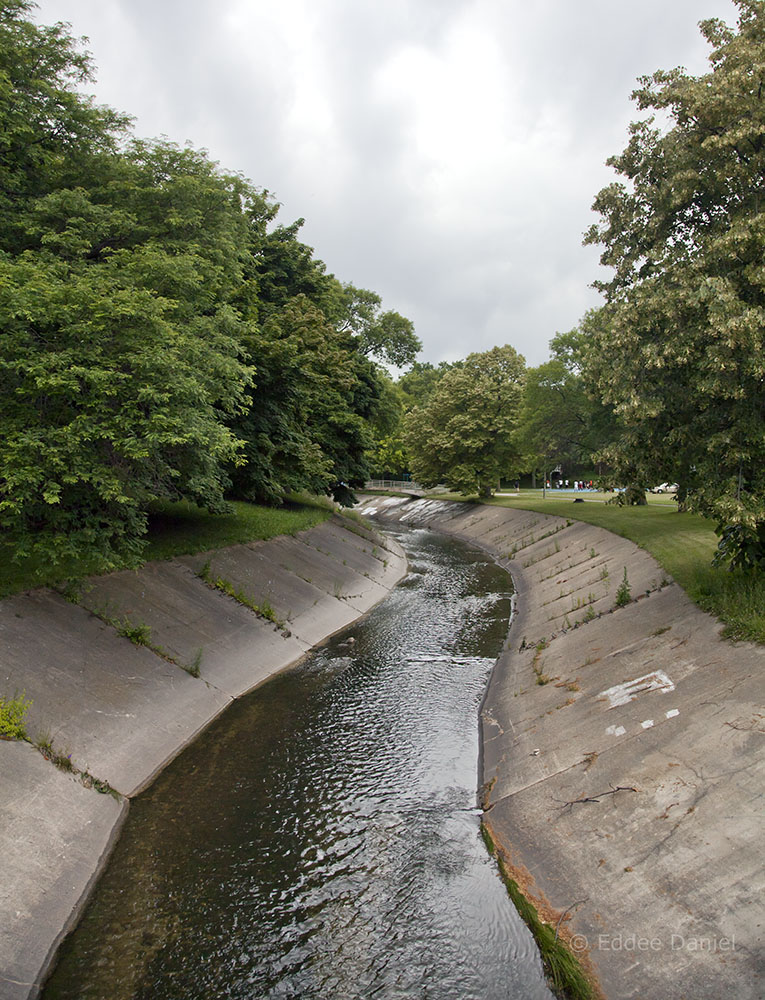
(12, 712)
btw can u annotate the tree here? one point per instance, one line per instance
(318, 400)
(49, 133)
(387, 336)
(282, 267)
(389, 457)
(120, 349)
(417, 384)
(146, 304)
(117, 372)
(463, 434)
(308, 423)
(562, 420)
(682, 359)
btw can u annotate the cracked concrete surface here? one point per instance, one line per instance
(664, 883)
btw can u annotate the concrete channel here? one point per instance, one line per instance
(622, 746)
(623, 757)
(115, 712)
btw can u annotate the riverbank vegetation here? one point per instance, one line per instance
(165, 339)
(563, 969)
(173, 529)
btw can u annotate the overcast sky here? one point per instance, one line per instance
(444, 153)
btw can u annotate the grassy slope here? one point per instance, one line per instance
(177, 529)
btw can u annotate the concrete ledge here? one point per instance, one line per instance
(121, 712)
(661, 880)
(55, 836)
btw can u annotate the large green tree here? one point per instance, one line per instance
(120, 349)
(318, 399)
(682, 359)
(387, 336)
(389, 457)
(121, 354)
(463, 435)
(158, 328)
(309, 420)
(50, 133)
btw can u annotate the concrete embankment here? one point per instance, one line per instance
(622, 757)
(116, 711)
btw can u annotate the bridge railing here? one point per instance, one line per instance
(400, 485)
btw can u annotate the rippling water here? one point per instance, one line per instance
(321, 839)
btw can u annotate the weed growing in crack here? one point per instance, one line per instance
(623, 594)
(139, 633)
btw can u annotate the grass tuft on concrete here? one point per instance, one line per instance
(564, 972)
(12, 714)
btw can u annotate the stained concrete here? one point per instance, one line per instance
(118, 712)
(622, 757)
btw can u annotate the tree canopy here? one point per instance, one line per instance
(462, 435)
(682, 357)
(561, 420)
(162, 336)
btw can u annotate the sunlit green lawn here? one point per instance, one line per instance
(176, 529)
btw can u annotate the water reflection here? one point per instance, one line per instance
(321, 839)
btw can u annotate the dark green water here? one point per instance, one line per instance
(321, 839)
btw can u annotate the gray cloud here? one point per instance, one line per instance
(443, 152)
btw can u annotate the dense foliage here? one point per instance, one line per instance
(463, 434)
(682, 356)
(162, 337)
(562, 423)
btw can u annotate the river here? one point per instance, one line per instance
(321, 839)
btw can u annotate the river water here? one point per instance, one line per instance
(321, 840)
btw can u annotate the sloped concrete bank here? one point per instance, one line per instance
(117, 712)
(622, 757)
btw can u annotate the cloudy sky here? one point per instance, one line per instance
(444, 153)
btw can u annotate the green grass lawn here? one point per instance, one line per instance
(683, 544)
(177, 529)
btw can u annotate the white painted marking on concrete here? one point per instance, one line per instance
(621, 694)
(647, 724)
(673, 712)
(616, 731)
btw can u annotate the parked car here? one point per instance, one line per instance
(665, 488)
